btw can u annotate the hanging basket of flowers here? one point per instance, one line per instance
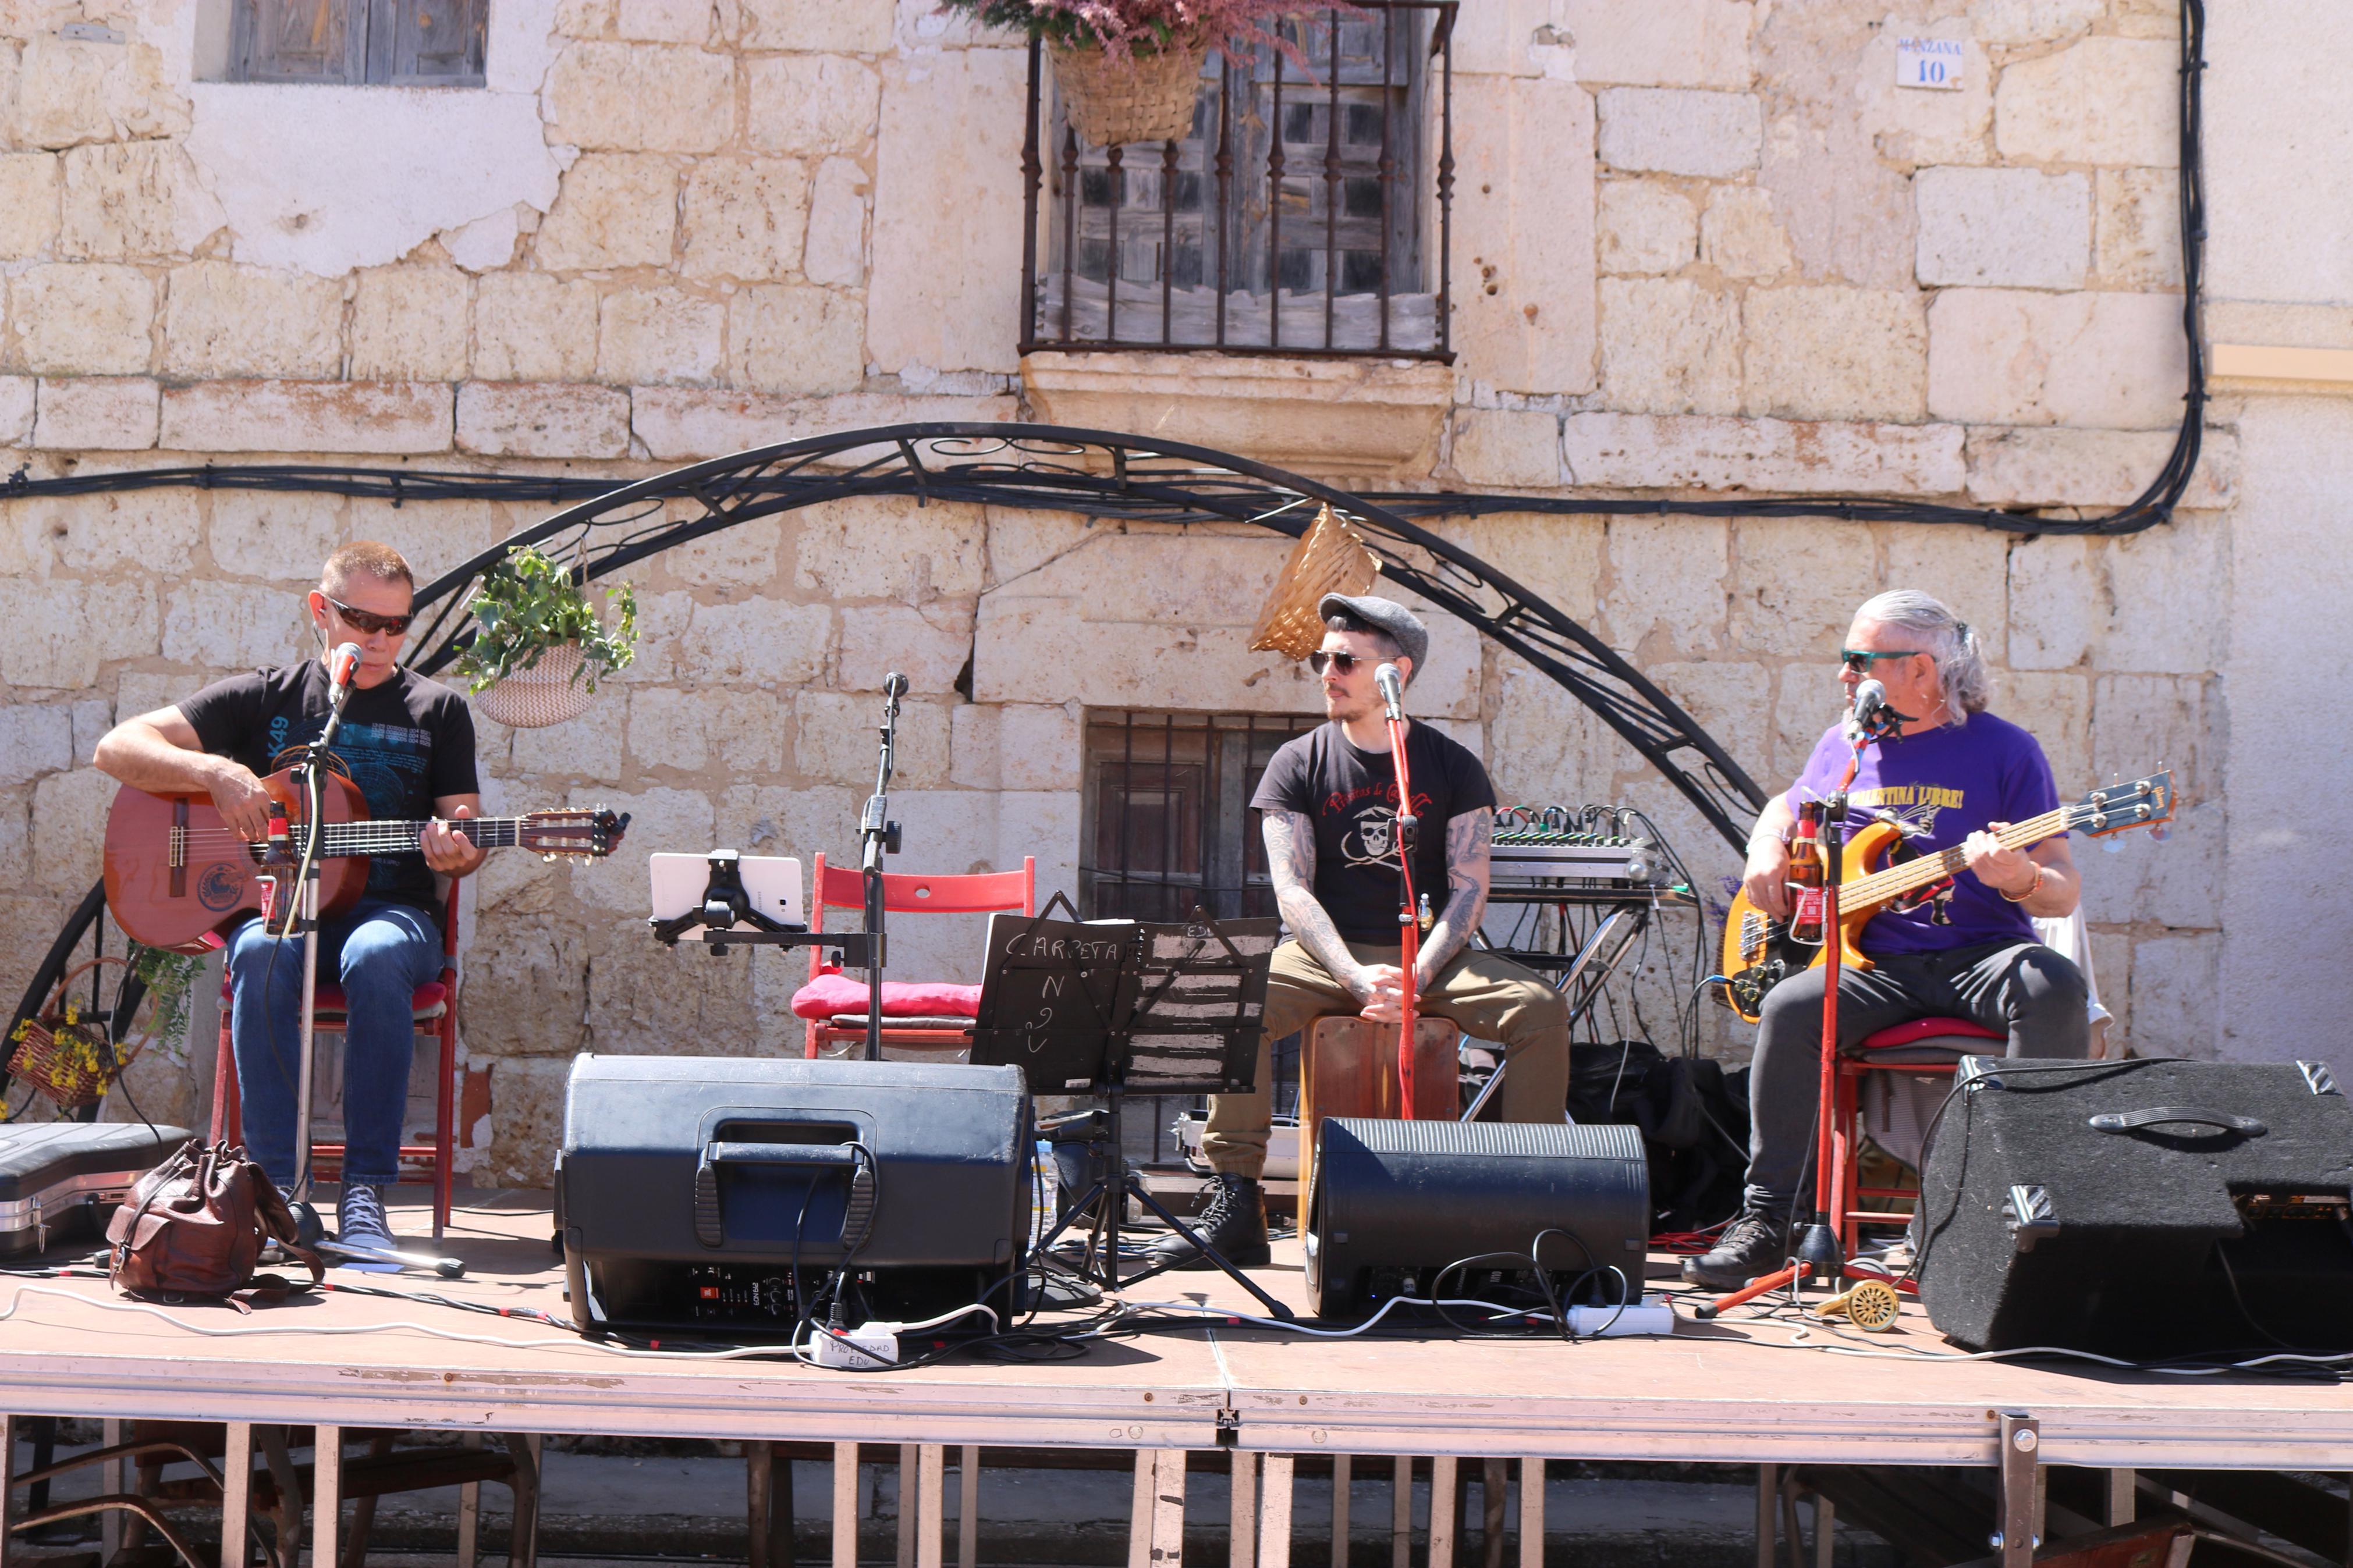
(1147, 97)
(1130, 70)
(539, 645)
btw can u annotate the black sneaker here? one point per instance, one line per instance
(1756, 1243)
(1233, 1222)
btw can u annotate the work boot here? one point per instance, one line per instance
(1233, 1222)
(1756, 1243)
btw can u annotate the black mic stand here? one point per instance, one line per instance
(301, 918)
(879, 836)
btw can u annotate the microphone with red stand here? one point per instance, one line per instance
(1391, 686)
(1820, 1253)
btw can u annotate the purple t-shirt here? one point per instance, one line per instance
(1948, 782)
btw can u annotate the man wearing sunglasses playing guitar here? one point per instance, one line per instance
(1953, 775)
(408, 744)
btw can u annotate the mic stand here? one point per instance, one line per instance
(303, 919)
(879, 836)
(1409, 918)
(1820, 1253)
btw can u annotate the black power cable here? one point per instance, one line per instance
(1004, 485)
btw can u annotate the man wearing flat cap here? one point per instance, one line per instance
(1328, 802)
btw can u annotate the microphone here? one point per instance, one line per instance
(342, 665)
(1392, 689)
(1869, 715)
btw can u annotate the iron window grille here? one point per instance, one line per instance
(1297, 216)
(1165, 827)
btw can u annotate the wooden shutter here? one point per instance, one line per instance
(299, 40)
(425, 43)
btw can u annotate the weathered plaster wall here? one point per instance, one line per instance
(1701, 247)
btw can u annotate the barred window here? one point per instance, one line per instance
(1303, 213)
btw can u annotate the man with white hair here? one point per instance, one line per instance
(1954, 776)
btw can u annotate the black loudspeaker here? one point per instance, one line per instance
(1394, 1202)
(722, 1193)
(2140, 1209)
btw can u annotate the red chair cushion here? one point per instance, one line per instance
(1914, 1031)
(427, 1002)
(833, 991)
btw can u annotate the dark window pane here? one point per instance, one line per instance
(1185, 267)
(1363, 128)
(1094, 259)
(1298, 270)
(1094, 187)
(1188, 199)
(1360, 271)
(1299, 122)
(1360, 196)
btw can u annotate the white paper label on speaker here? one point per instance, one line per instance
(1932, 63)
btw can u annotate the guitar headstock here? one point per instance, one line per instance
(2143, 803)
(572, 830)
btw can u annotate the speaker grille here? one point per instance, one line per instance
(1530, 1139)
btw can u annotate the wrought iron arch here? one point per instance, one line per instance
(1096, 473)
(1107, 475)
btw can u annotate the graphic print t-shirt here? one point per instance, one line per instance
(1947, 783)
(406, 743)
(1351, 795)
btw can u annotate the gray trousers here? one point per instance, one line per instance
(2024, 989)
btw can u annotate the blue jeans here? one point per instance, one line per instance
(381, 952)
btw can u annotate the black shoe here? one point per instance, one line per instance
(1756, 1242)
(1233, 1222)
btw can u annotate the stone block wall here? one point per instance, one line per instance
(1702, 247)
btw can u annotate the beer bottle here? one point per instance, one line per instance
(1805, 870)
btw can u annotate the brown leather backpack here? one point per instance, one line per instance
(195, 1225)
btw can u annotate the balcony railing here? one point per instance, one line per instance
(1306, 213)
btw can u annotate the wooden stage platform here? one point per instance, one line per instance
(1737, 1390)
(1742, 1390)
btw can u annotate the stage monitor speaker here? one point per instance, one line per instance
(722, 1193)
(1394, 1202)
(2140, 1208)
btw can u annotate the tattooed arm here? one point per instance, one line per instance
(1290, 862)
(1466, 871)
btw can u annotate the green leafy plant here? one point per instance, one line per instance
(528, 604)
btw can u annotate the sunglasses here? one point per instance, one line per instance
(1344, 662)
(368, 620)
(1860, 662)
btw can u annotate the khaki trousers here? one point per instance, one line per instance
(1489, 998)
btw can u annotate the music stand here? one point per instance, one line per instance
(1113, 1008)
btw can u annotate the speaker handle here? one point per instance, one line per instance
(2160, 1115)
(710, 1227)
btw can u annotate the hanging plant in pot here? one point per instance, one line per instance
(1129, 71)
(539, 646)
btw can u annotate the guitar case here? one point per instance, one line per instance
(61, 1179)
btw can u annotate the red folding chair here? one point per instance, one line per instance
(1922, 1046)
(434, 1012)
(980, 892)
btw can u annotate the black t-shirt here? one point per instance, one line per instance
(406, 743)
(1351, 795)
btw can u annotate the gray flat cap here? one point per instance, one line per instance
(1411, 636)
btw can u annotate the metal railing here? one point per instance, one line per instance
(1307, 214)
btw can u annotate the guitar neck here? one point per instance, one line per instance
(1880, 887)
(401, 837)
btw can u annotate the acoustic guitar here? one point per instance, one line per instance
(176, 873)
(1759, 951)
